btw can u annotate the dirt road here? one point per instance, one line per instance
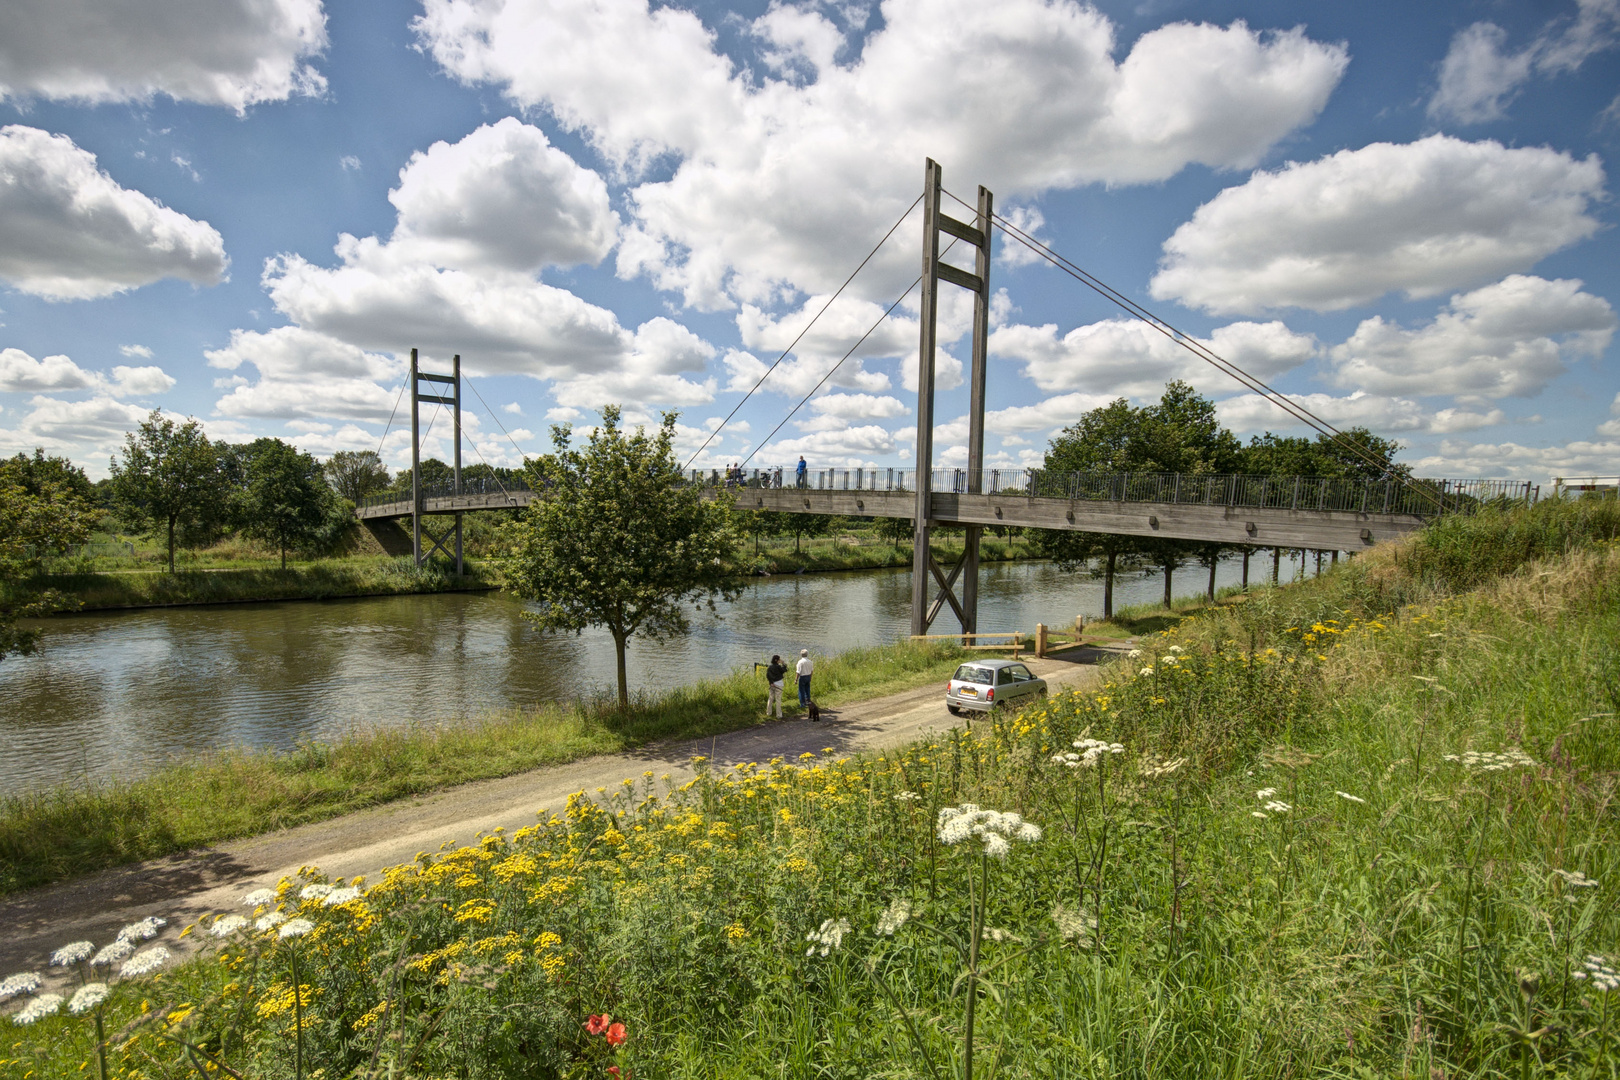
(183, 887)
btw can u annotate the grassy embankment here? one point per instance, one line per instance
(1362, 826)
(324, 579)
(70, 832)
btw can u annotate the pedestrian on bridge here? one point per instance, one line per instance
(801, 471)
(774, 675)
(804, 667)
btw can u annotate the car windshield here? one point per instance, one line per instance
(970, 673)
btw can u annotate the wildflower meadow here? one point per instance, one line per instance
(1360, 826)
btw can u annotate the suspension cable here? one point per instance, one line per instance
(898, 222)
(869, 332)
(1203, 352)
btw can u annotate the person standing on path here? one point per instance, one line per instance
(800, 473)
(804, 667)
(774, 675)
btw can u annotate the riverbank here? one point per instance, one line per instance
(65, 833)
(323, 580)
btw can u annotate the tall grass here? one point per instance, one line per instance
(68, 832)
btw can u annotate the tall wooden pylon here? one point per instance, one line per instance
(418, 496)
(923, 566)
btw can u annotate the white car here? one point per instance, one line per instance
(981, 685)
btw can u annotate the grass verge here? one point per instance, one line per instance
(1357, 827)
(327, 579)
(66, 833)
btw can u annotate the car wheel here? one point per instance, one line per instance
(952, 709)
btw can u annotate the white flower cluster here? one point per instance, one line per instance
(76, 952)
(1576, 880)
(1278, 807)
(1482, 761)
(265, 923)
(88, 997)
(145, 930)
(829, 937)
(259, 898)
(1091, 750)
(1600, 972)
(341, 896)
(144, 963)
(1073, 924)
(1349, 797)
(1265, 793)
(38, 1009)
(315, 892)
(226, 925)
(892, 919)
(295, 928)
(998, 935)
(1134, 654)
(23, 983)
(111, 954)
(907, 796)
(1146, 671)
(996, 830)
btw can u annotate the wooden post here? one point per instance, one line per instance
(1040, 641)
(1276, 565)
(1246, 552)
(928, 310)
(456, 369)
(1335, 558)
(416, 469)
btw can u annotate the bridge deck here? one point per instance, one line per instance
(1327, 530)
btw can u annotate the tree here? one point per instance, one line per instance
(618, 540)
(42, 512)
(896, 530)
(169, 477)
(354, 474)
(1280, 455)
(285, 496)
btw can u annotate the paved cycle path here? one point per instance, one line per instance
(183, 887)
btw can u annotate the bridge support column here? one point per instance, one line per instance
(418, 377)
(922, 564)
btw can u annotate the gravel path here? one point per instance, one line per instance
(183, 887)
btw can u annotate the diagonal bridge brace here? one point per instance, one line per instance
(947, 587)
(438, 543)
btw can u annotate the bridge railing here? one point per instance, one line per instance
(1386, 496)
(478, 486)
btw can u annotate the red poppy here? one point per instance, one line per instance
(613, 1070)
(616, 1035)
(596, 1024)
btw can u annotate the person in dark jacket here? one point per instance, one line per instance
(774, 674)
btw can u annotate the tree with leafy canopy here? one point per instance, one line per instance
(168, 476)
(43, 511)
(354, 474)
(285, 497)
(618, 540)
(1284, 455)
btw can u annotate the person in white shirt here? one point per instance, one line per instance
(804, 667)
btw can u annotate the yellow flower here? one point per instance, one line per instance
(736, 931)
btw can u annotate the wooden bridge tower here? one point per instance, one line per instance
(934, 271)
(453, 380)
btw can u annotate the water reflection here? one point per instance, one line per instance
(112, 694)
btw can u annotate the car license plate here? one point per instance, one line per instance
(968, 691)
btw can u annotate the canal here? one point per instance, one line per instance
(113, 694)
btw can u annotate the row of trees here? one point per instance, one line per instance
(171, 479)
(1181, 434)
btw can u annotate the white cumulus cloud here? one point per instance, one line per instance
(305, 374)
(68, 231)
(21, 373)
(1481, 75)
(233, 53)
(1127, 357)
(1509, 339)
(1420, 218)
(774, 180)
(504, 198)
(1253, 413)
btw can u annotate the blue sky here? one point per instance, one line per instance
(249, 213)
